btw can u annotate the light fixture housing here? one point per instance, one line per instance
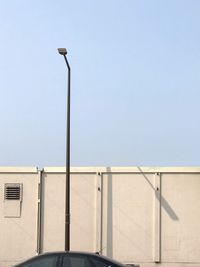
(62, 51)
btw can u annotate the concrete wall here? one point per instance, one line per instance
(83, 211)
(18, 219)
(148, 216)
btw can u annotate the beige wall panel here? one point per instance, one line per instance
(83, 215)
(53, 204)
(18, 236)
(180, 218)
(128, 216)
(83, 205)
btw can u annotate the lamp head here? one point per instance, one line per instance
(62, 51)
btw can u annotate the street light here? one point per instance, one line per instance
(63, 52)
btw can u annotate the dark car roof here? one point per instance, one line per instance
(73, 253)
(96, 254)
(69, 252)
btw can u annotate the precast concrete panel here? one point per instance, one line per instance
(83, 204)
(85, 216)
(18, 230)
(180, 204)
(128, 217)
(53, 211)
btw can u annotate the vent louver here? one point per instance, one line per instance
(12, 192)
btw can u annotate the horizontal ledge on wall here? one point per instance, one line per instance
(102, 170)
(123, 170)
(18, 170)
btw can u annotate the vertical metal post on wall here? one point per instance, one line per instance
(63, 52)
(40, 207)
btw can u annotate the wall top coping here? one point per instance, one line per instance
(102, 170)
(123, 169)
(18, 170)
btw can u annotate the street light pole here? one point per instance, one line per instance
(63, 52)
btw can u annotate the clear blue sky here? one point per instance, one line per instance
(135, 82)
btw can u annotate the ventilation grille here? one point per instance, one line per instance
(12, 192)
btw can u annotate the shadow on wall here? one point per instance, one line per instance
(164, 202)
(110, 205)
(110, 225)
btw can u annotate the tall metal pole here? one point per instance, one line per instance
(63, 52)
